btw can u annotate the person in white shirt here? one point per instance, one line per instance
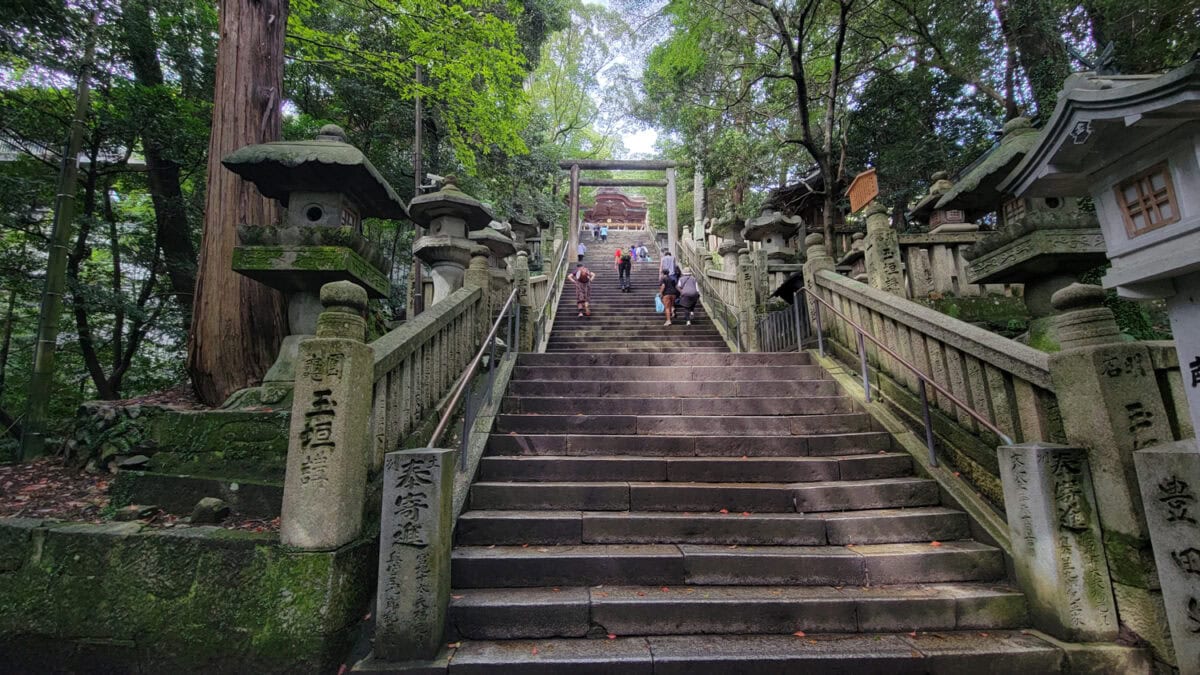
(581, 250)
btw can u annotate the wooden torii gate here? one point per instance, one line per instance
(577, 165)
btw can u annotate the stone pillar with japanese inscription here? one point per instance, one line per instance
(1169, 477)
(816, 259)
(330, 435)
(521, 283)
(414, 553)
(1058, 555)
(1109, 398)
(478, 276)
(746, 301)
(882, 252)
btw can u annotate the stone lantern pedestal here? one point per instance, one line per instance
(449, 216)
(729, 229)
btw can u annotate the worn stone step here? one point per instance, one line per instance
(685, 425)
(876, 526)
(666, 348)
(811, 445)
(723, 407)
(673, 388)
(661, 373)
(940, 653)
(881, 493)
(654, 359)
(698, 564)
(524, 613)
(694, 469)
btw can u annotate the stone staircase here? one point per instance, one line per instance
(649, 504)
(626, 322)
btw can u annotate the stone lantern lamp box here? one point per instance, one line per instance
(327, 186)
(1132, 144)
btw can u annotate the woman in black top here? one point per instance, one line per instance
(669, 292)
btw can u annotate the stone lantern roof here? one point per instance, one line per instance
(771, 222)
(979, 188)
(326, 164)
(939, 186)
(1099, 118)
(500, 245)
(524, 225)
(450, 201)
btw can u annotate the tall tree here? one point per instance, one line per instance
(237, 324)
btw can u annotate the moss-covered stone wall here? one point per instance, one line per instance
(121, 598)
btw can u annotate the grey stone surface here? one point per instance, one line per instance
(507, 528)
(504, 614)
(1169, 477)
(414, 553)
(1056, 540)
(549, 657)
(210, 511)
(515, 566)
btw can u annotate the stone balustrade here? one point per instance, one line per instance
(1009, 383)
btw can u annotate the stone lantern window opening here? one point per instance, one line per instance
(1147, 200)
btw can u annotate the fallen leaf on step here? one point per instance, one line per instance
(935, 543)
(745, 457)
(745, 513)
(342, 670)
(913, 634)
(799, 633)
(367, 617)
(983, 635)
(724, 511)
(453, 645)
(916, 654)
(456, 597)
(957, 474)
(612, 636)
(556, 590)
(602, 594)
(664, 589)
(524, 545)
(533, 651)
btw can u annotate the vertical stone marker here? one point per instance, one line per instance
(330, 434)
(414, 553)
(1169, 477)
(882, 252)
(1056, 544)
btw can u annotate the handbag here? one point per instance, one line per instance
(658, 304)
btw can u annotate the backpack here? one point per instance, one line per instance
(626, 258)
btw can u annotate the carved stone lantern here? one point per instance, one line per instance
(729, 228)
(449, 216)
(773, 230)
(940, 220)
(525, 231)
(1042, 243)
(327, 187)
(498, 244)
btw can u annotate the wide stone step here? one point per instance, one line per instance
(936, 652)
(838, 495)
(813, 445)
(666, 348)
(654, 359)
(664, 373)
(672, 388)
(876, 526)
(697, 564)
(525, 613)
(685, 425)
(695, 469)
(681, 341)
(745, 405)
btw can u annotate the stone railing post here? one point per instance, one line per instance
(882, 252)
(1110, 403)
(746, 302)
(479, 276)
(1057, 551)
(413, 592)
(330, 435)
(816, 258)
(521, 283)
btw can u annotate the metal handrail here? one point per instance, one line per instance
(464, 381)
(553, 295)
(922, 378)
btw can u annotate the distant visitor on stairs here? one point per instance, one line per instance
(624, 267)
(582, 278)
(581, 250)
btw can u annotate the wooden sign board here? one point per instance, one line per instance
(862, 190)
